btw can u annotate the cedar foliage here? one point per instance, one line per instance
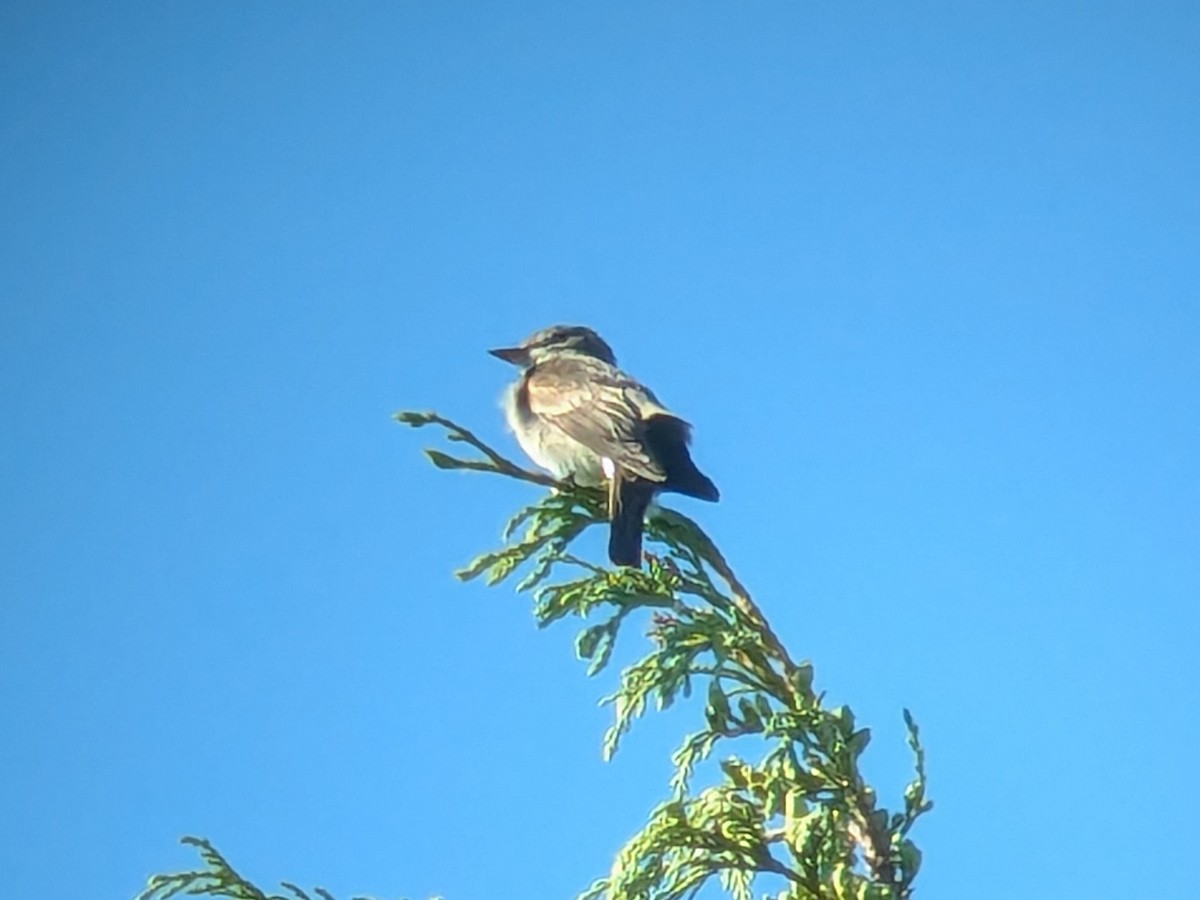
(790, 811)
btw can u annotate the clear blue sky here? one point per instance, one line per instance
(924, 276)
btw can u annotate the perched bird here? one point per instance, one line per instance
(583, 419)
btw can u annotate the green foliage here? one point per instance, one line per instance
(790, 806)
(800, 811)
(219, 879)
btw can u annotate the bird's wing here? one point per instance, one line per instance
(597, 405)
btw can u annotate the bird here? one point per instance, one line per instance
(581, 418)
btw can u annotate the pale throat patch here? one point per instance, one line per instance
(609, 467)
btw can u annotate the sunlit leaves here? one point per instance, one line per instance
(803, 812)
(800, 818)
(219, 879)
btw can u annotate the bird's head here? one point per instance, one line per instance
(554, 340)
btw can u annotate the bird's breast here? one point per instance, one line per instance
(547, 445)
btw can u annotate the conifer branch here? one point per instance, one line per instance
(841, 843)
(801, 815)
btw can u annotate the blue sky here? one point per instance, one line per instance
(924, 276)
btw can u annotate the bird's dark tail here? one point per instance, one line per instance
(667, 438)
(628, 499)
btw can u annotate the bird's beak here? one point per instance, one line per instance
(518, 356)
